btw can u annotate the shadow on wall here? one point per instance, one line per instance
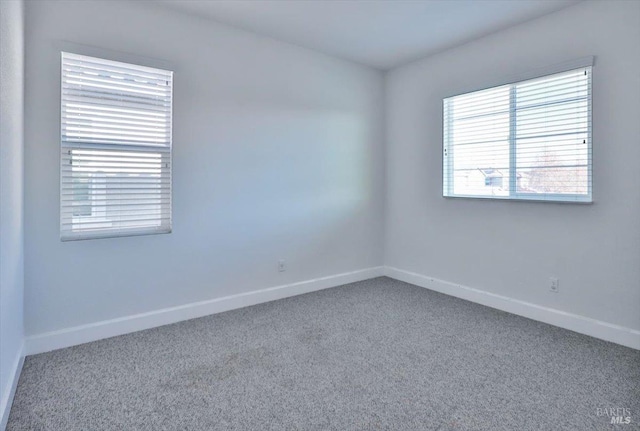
(285, 171)
(300, 178)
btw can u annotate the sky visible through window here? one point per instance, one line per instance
(528, 138)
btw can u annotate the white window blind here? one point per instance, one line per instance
(115, 175)
(530, 140)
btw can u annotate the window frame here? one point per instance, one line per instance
(133, 60)
(514, 195)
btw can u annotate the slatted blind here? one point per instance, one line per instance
(115, 175)
(529, 140)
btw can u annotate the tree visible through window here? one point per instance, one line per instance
(81, 197)
(528, 140)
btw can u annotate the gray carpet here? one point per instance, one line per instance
(374, 355)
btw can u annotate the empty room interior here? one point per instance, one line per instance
(320, 215)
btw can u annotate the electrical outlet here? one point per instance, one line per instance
(554, 285)
(282, 266)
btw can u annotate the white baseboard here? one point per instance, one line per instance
(110, 328)
(6, 399)
(584, 325)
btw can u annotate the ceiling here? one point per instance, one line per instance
(379, 33)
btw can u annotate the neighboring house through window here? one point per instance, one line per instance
(115, 148)
(529, 140)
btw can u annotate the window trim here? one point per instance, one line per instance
(136, 60)
(583, 62)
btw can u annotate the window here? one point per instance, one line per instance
(115, 175)
(530, 140)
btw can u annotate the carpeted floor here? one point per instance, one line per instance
(374, 355)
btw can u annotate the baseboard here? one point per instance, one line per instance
(6, 399)
(110, 328)
(573, 322)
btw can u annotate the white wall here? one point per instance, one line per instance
(512, 248)
(278, 154)
(11, 195)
